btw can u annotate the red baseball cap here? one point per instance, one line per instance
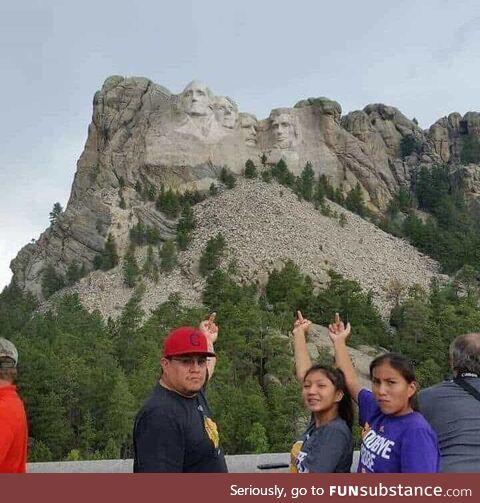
(186, 340)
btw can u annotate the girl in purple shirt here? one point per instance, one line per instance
(395, 438)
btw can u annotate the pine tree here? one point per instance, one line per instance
(212, 254)
(257, 440)
(130, 268)
(283, 176)
(150, 267)
(185, 227)
(266, 176)
(75, 272)
(138, 234)
(168, 202)
(338, 196)
(250, 169)
(87, 434)
(16, 308)
(108, 258)
(55, 213)
(213, 190)
(111, 256)
(227, 178)
(354, 201)
(408, 145)
(190, 197)
(38, 451)
(306, 182)
(168, 256)
(51, 281)
(117, 422)
(470, 150)
(152, 235)
(151, 193)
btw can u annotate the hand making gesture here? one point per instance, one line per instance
(337, 330)
(209, 328)
(301, 324)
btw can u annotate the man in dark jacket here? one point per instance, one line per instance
(174, 431)
(453, 408)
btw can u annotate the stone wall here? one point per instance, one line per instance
(244, 463)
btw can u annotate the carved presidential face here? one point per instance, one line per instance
(197, 99)
(248, 124)
(226, 112)
(284, 131)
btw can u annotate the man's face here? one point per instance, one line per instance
(249, 132)
(197, 101)
(185, 374)
(283, 130)
(227, 113)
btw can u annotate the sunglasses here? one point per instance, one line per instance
(190, 361)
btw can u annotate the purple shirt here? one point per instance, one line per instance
(395, 444)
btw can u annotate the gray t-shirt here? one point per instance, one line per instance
(327, 449)
(455, 416)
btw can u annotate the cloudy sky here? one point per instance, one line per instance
(419, 56)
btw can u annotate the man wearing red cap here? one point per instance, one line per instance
(174, 430)
(13, 421)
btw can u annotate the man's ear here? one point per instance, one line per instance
(164, 362)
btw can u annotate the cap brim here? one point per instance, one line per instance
(190, 352)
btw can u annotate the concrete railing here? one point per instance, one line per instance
(242, 463)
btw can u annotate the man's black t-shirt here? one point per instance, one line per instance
(173, 433)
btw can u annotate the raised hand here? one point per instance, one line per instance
(337, 330)
(301, 324)
(209, 328)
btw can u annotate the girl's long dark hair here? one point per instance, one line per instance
(336, 377)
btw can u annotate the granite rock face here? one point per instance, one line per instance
(141, 132)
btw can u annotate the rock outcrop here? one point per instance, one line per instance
(142, 133)
(265, 225)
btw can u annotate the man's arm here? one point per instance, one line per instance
(6, 437)
(159, 443)
(210, 330)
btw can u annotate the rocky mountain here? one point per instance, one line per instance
(142, 134)
(265, 225)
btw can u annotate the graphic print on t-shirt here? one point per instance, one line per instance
(374, 446)
(296, 458)
(212, 431)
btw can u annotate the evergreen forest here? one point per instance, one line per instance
(84, 378)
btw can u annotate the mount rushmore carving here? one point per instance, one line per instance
(140, 131)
